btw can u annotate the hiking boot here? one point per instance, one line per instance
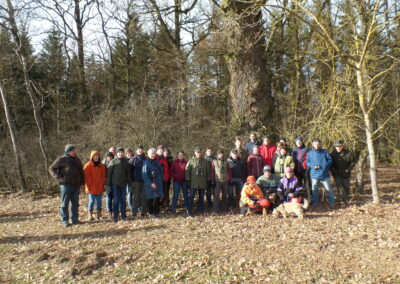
(90, 215)
(110, 214)
(66, 224)
(98, 216)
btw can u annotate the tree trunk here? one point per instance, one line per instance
(249, 89)
(81, 55)
(359, 168)
(11, 127)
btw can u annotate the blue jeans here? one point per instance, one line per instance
(192, 194)
(109, 201)
(177, 186)
(119, 194)
(69, 194)
(95, 198)
(234, 192)
(315, 184)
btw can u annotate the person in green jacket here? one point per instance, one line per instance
(268, 183)
(197, 176)
(282, 161)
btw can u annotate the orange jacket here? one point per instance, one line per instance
(95, 176)
(249, 191)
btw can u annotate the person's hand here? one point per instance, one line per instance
(291, 195)
(153, 186)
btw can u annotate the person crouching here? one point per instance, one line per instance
(252, 198)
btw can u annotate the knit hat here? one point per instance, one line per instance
(299, 139)
(68, 148)
(267, 169)
(339, 143)
(120, 149)
(250, 179)
(288, 170)
(197, 149)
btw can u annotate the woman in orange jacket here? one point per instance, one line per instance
(252, 197)
(95, 180)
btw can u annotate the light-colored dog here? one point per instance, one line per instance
(287, 208)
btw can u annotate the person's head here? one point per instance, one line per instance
(283, 140)
(283, 151)
(129, 153)
(299, 142)
(279, 146)
(339, 146)
(255, 150)
(95, 156)
(266, 140)
(288, 172)
(181, 155)
(220, 154)
(253, 137)
(267, 171)
(112, 150)
(109, 156)
(316, 143)
(152, 153)
(140, 150)
(166, 153)
(160, 151)
(70, 150)
(251, 180)
(234, 155)
(197, 152)
(120, 153)
(209, 151)
(238, 142)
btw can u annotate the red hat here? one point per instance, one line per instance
(251, 179)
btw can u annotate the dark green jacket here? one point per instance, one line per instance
(342, 163)
(119, 172)
(198, 172)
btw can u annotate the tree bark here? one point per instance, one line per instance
(81, 54)
(11, 127)
(359, 168)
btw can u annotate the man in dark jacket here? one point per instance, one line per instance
(210, 187)
(238, 170)
(68, 171)
(301, 171)
(119, 177)
(342, 164)
(253, 142)
(139, 195)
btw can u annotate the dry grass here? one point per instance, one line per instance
(357, 244)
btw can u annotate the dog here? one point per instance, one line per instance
(287, 208)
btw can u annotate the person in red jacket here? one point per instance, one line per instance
(267, 151)
(255, 164)
(166, 176)
(95, 180)
(221, 175)
(178, 180)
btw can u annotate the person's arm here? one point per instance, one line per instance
(244, 198)
(81, 173)
(291, 162)
(308, 161)
(352, 162)
(88, 178)
(280, 191)
(328, 159)
(145, 174)
(188, 171)
(212, 173)
(129, 174)
(208, 171)
(109, 173)
(54, 169)
(104, 175)
(229, 172)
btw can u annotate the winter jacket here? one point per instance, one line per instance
(178, 170)
(198, 172)
(287, 186)
(281, 163)
(255, 165)
(249, 146)
(342, 163)
(238, 169)
(68, 170)
(299, 156)
(268, 185)
(136, 163)
(210, 158)
(152, 172)
(242, 153)
(319, 158)
(267, 152)
(119, 172)
(251, 193)
(220, 171)
(164, 163)
(95, 175)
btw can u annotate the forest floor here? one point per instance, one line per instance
(359, 243)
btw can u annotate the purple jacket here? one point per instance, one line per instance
(287, 186)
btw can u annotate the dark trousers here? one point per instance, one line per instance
(234, 192)
(192, 194)
(154, 206)
(69, 194)
(165, 199)
(220, 189)
(343, 186)
(209, 194)
(305, 182)
(119, 194)
(139, 198)
(109, 201)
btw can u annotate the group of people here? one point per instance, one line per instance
(253, 177)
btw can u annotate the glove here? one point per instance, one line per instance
(108, 189)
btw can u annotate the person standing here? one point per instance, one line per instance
(153, 182)
(220, 177)
(255, 163)
(139, 200)
(164, 201)
(342, 164)
(210, 157)
(242, 152)
(119, 177)
(238, 170)
(301, 170)
(253, 142)
(68, 171)
(178, 180)
(319, 161)
(267, 151)
(284, 160)
(95, 181)
(197, 177)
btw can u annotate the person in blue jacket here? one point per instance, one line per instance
(319, 162)
(139, 200)
(152, 174)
